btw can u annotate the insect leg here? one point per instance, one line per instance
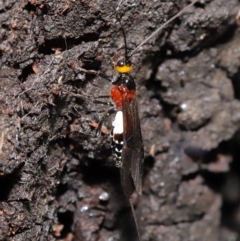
(110, 112)
(102, 102)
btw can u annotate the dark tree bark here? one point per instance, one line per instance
(58, 181)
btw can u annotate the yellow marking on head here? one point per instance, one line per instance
(123, 69)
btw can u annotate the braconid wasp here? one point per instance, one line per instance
(127, 144)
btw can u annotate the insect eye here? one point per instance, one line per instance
(128, 62)
(121, 63)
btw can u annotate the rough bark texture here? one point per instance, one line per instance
(58, 181)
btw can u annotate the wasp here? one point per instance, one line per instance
(126, 136)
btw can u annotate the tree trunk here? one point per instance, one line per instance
(58, 181)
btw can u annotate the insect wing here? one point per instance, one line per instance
(132, 152)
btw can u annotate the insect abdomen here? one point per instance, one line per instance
(117, 138)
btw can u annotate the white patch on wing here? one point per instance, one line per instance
(118, 123)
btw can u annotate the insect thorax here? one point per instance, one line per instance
(117, 138)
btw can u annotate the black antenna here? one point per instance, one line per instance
(160, 28)
(124, 36)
